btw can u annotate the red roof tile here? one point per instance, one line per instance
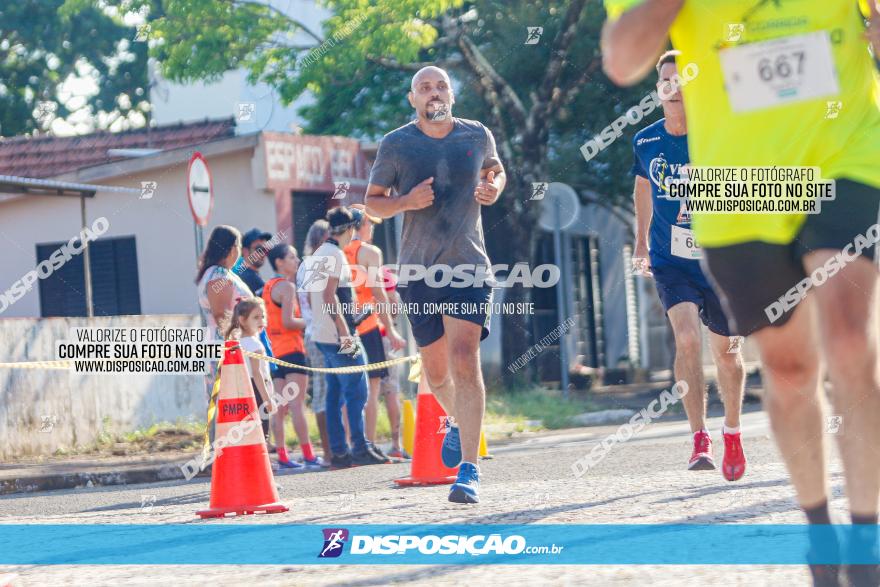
(48, 156)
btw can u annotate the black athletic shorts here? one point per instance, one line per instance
(676, 285)
(296, 359)
(372, 341)
(760, 283)
(425, 307)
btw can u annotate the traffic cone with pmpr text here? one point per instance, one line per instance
(241, 476)
(427, 467)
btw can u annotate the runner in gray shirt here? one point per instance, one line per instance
(442, 170)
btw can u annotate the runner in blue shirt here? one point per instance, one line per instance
(661, 151)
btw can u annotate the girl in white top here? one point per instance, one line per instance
(248, 320)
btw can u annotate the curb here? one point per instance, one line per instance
(55, 481)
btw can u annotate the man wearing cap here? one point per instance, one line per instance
(327, 281)
(444, 170)
(372, 304)
(253, 255)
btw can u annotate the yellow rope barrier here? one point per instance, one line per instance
(414, 359)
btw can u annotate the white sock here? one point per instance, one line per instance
(727, 430)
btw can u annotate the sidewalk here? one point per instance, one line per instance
(70, 473)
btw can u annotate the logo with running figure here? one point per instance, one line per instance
(832, 109)
(735, 31)
(660, 172)
(334, 540)
(539, 189)
(315, 276)
(534, 34)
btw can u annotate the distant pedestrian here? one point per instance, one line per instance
(315, 237)
(285, 328)
(253, 256)
(372, 304)
(327, 279)
(389, 385)
(219, 288)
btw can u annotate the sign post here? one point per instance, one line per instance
(560, 209)
(200, 193)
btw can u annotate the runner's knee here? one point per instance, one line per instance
(790, 373)
(465, 351)
(438, 381)
(730, 363)
(687, 341)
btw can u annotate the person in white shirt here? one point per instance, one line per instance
(326, 279)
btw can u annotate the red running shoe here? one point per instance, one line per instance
(734, 464)
(701, 459)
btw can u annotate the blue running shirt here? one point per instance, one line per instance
(658, 157)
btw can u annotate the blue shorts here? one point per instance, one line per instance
(675, 286)
(425, 307)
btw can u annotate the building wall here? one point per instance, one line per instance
(43, 411)
(174, 102)
(162, 226)
(612, 235)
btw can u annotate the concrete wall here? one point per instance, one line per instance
(162, 227)
(77, 407)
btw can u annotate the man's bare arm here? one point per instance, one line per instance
(644, 207)
(379, 202)
(632, 43)
(500, 176)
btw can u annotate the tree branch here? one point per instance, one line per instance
(561, 44)
(548, 91)
(280, 13)
(491, 80)
(566, 96)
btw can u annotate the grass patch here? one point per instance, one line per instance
(523, 406)
(526, 408)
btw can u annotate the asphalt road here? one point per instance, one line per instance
(530, 481)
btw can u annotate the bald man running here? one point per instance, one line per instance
(443, 170)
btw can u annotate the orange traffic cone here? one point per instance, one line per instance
(241, 476)
(427, 467)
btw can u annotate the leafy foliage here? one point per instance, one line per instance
(44, 44)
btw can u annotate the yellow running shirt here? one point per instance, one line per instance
(837, 130)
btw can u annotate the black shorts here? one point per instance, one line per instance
(761, 283)
(295, 358)
(372, 341)
(675, 285)
(425, 307)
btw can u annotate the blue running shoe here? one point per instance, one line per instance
(450, 450)
(291, 465)
(466, 488)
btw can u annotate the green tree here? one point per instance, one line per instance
(42, 46)
(542, 98)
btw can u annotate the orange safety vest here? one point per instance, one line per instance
(284, 340)
(364, 295)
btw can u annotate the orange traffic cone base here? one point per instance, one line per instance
(427, 467)
(244, 510)
(410, 482)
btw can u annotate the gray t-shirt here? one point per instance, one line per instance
(450, 230)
